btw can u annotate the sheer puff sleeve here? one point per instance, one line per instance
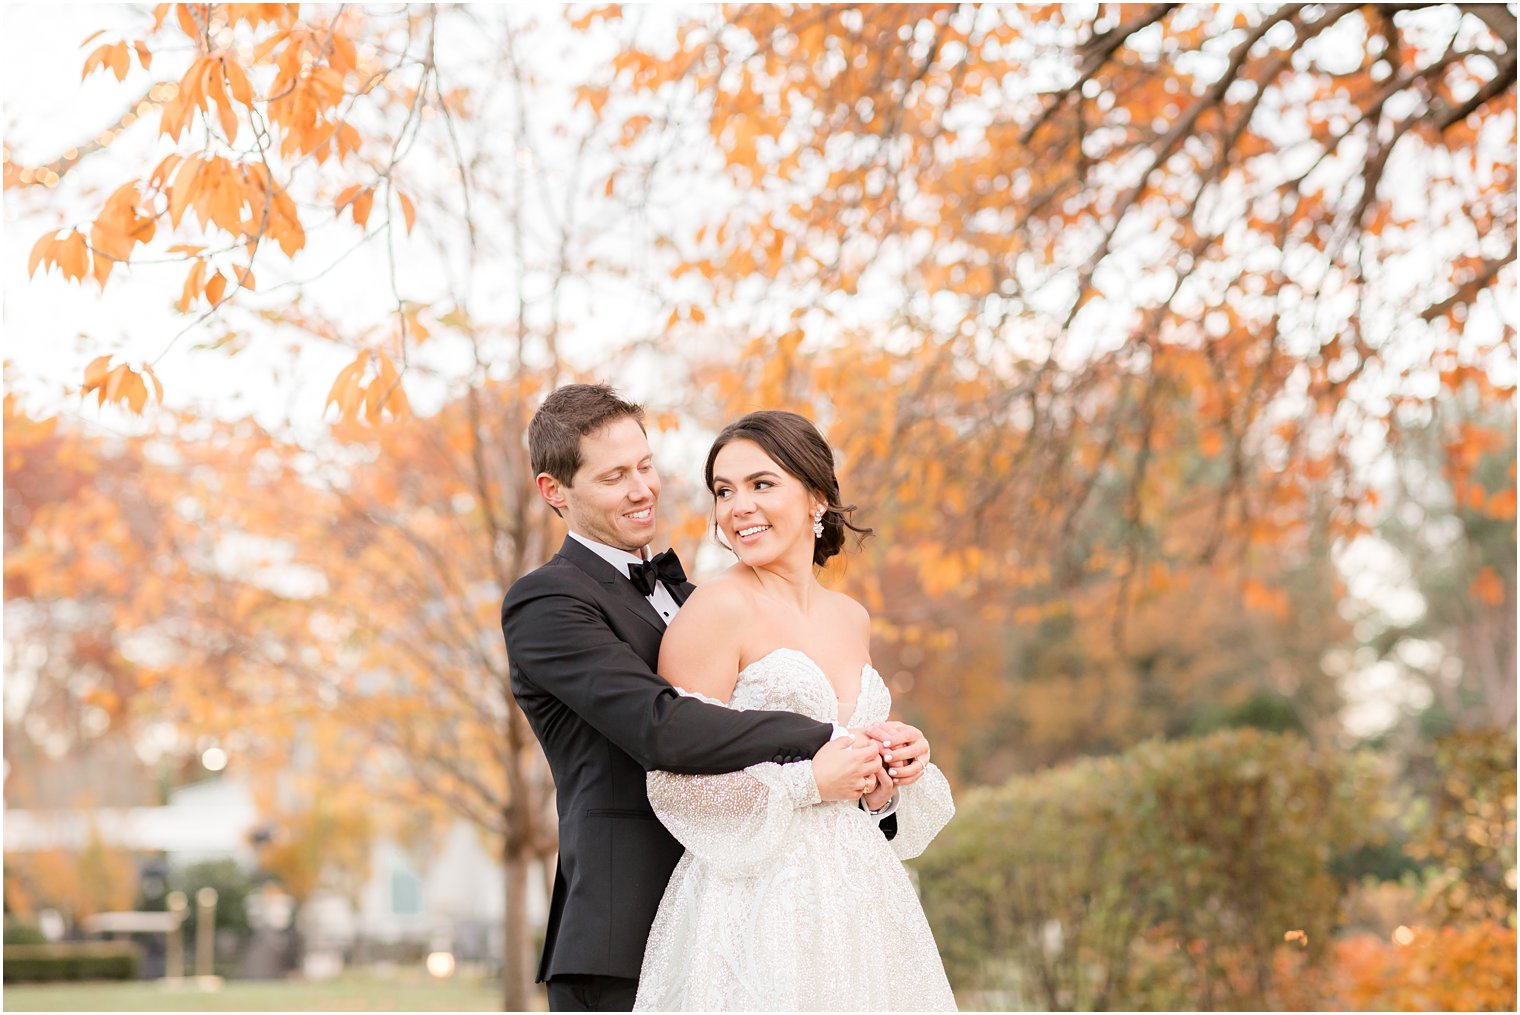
(736, 821)
(922, 810)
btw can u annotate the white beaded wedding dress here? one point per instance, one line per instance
(783, 903)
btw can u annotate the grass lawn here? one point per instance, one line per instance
(403, 992)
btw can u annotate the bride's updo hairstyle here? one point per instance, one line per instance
(796, 445)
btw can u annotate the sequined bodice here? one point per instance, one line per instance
(788, 679)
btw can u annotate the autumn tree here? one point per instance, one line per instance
(1451, 527)
(98, 878)
(346, 584)
(363, 617)
(1022, 259)
(80, 526)
(1136, 226)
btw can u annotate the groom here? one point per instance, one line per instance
(583, 636)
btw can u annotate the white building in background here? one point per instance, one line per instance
(450, 899)
(454, 901)
(203, 821)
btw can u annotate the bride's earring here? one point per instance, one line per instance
(818, 523)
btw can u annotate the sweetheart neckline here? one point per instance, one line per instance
(860, 690)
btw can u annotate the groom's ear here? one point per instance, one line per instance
(552, 492)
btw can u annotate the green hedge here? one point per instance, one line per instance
(1465, 841)
(19, 932)
(1169, 877)
(71, 960)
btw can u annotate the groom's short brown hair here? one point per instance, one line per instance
(568, 414)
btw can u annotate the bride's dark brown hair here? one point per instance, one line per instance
(795, 444)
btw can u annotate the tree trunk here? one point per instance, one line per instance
(516, 971)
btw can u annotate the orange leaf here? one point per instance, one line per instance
(362, 205)
(111, 390)
(74, 258)
(347, 139)
(95, 372)
(193, 286)
(216, 288)
(119, 61)
(183, 189)
(285, 225)
(268, 46)
(42, 251)
(408, 210)
(96, 60)
(1501, 505)
(346, 195)
(134, 391)
(100, 267)
(175, 117)
(1488, 587)
(346, 387)
(164, 170)
(108, 241)
(189, 19)
(192, 87)
(237, 81)
(344, 57)
(371, 401)
(158, 389)
(218, 93)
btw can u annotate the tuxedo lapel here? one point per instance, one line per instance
(617, 585)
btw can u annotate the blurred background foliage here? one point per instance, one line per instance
(1210, 874)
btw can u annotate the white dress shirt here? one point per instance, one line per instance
(663, 602)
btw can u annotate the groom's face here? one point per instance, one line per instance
(616, 490)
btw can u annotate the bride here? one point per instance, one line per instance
(782, 902)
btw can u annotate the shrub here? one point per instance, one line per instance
(19, 932)
(232, 884)
(1192, 874)
(71, 960)
(1467, 968)
(1467, 842)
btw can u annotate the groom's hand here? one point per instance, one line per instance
(881, 793)
(846, 769)
(904, 750)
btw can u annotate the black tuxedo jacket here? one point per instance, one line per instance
(583, 646)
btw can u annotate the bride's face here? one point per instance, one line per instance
(763, 512)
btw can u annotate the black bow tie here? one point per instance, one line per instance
(665, 567)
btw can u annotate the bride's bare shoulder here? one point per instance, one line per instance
(850, 613)
(702, 647)
(722, 597)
